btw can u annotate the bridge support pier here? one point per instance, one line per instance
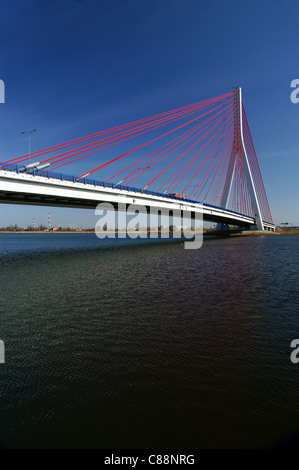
(239, 151)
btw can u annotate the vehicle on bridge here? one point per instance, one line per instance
(182, 196)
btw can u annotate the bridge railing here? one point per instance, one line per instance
(92, 182)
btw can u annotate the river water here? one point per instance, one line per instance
(129, 344)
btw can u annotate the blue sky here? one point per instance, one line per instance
(74, 67)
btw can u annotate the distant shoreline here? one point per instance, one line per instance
(282, 232)
(45, 233)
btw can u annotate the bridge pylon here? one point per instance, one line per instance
(239, 151)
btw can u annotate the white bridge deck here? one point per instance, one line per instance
(30, 189)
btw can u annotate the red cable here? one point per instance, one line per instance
(221, 179)
(197, 127)
(193, 129)
(144, 145)
(213, 148)
(106, 140)
(209, 130)
(189, 161)
(197, 190)
(219, 164)
(91, 153)
(92, 136)
(217, 189)
(205, 178)
(192, 146)
(263, 195)
(111, 145)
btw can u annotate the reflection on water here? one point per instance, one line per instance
(147, 345)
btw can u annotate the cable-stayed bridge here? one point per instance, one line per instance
(199, 158)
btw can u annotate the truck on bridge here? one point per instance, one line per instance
(182, 196)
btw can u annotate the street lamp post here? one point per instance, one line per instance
(29, 134)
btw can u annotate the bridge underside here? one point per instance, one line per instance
(36, 190)
(73, 203)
